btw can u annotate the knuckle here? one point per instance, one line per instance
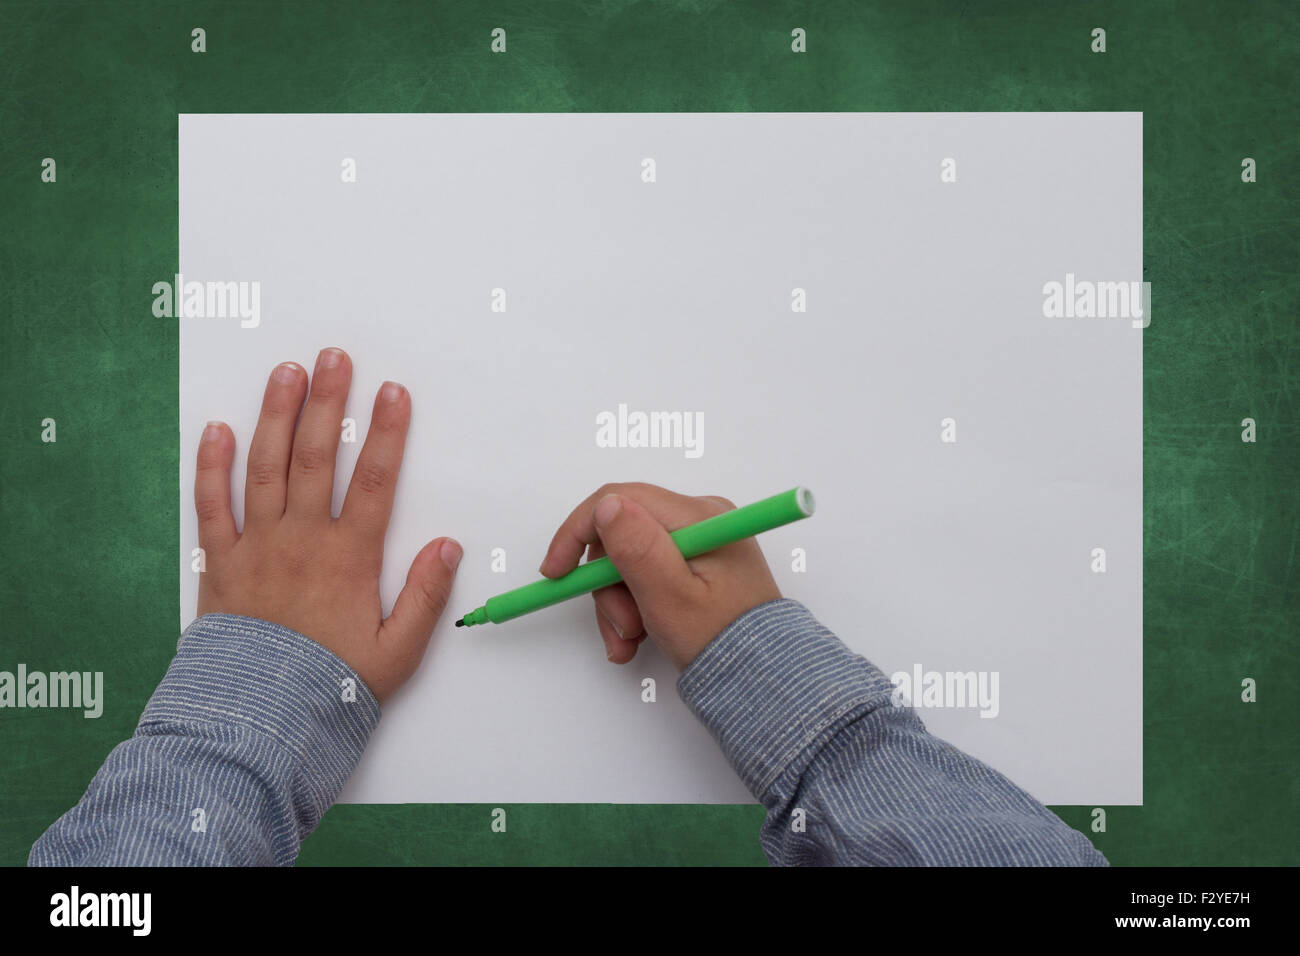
(385, 422)
(434, 592)
(309, 460)
(634, 549)
(209, 457)
(208, 509)
(281, 403)
(328, 387)
(371, 478)
(263, 473)
(718, 504)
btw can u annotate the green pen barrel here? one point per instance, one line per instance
(709, 535)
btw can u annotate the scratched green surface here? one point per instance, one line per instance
(90, 563)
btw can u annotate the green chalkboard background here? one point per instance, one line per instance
(89, 567)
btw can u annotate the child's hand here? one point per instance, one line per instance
(296, 565)
(681, 604)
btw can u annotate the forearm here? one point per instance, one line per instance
(811, 727)
(241, 750)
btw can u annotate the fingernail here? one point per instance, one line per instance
(285, 373)
(614, 624)
(390, 392)
(451, 554)
(607, 509)
(330, 358)
(212, 432)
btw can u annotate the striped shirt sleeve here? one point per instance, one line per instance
(846, 776)
(253, 731)
(241, 750)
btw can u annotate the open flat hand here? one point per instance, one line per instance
(297, 565)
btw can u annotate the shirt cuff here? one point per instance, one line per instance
(775, 684)
(246, 672)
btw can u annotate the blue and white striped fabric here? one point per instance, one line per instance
(809, 725)
(249, 738)
(249, 726)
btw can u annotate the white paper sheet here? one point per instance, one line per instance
(924, 302)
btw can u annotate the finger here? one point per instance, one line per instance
(422, 601)
(212, 488)
(617, 616)
(612, 613)
(316, 443)
(616, 605)
(617, 650)
(579, 529)
(718, 503)
(646, 556)
(268, 452)
(576, 533)
(369, 502)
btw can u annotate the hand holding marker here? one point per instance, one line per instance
(708, 535)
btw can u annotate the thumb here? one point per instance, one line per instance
(423, 599)
(651, 564)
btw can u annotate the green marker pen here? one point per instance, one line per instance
(709, 535)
